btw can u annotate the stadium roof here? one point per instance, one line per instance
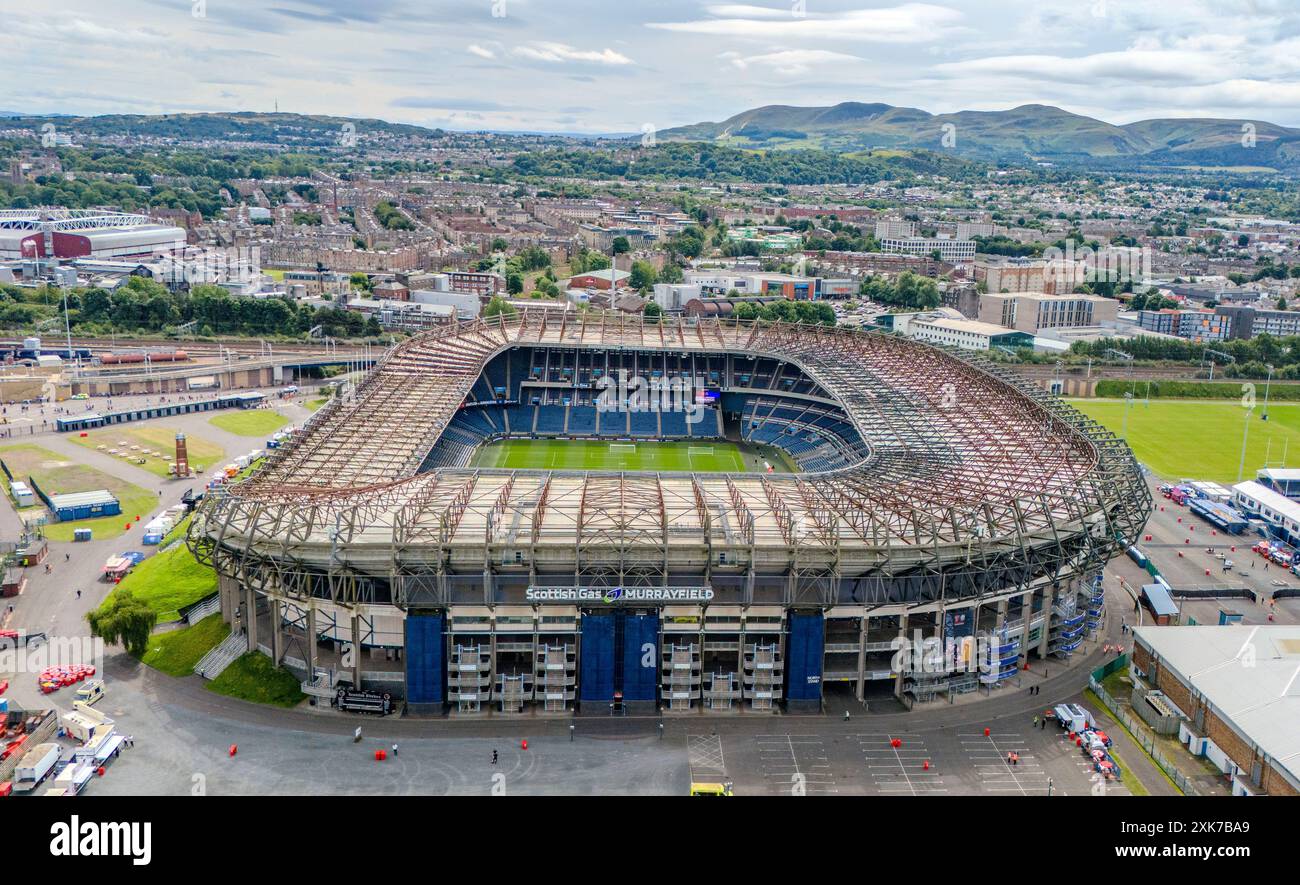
(964, 466)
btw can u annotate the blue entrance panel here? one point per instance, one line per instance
(596, 682)
(803, 653)
(424, 659)
(640, 657)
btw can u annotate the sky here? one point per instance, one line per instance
(606, 66)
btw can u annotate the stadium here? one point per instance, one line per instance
(54, 232)
(594, 512)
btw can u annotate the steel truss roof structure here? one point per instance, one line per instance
(973, 482)
(60, 219)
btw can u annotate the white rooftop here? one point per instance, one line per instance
(1266, 497)
(1249, 674)
(1281, 474)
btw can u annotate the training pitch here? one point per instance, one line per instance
(1192, 439)
(599, 454)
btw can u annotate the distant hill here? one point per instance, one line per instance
(298, 129)
(1028, 132)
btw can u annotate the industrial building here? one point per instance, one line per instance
(1230, 692)
(368, 550)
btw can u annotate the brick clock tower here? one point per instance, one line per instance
(182, 456)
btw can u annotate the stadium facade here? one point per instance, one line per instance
(57, 233)
(938, 499)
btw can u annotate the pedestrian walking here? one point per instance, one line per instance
(394, 749)
(78, 594)
(67, 557)
(1035, 722)
(494, 757)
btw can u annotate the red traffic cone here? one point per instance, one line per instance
(523, 745)
(234, 748)
(926, 765)
(986, 732)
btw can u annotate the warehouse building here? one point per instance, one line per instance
(1237, 691)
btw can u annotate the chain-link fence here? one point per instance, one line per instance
(1145, 740)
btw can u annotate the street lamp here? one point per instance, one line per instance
(1264, 416)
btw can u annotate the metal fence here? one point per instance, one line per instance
(1147, 742)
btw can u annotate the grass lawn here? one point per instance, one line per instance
(252, 678)
(169, 581)
(55, 475)
(251, 422)
(313, 404)
(154, 439)
(1192, 439)
(586, 454)
(177, 651)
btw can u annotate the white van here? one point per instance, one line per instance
(90, 692)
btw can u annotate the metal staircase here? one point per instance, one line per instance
(221, 657)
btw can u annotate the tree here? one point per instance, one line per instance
(498, 306)
(621, 246)
(126, 620)
(653, 310)
(360, 281)
(643, 275)
(515, 283)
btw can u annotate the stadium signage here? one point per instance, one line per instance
(615, 595)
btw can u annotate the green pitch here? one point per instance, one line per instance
(1190, 439)
(594, 454)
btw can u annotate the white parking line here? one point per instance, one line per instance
(988, 754)
(899, 769)
(791, 762)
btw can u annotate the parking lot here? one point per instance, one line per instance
(1179, 547)
(939, 760)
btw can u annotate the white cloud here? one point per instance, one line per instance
(559, 53)
(481, 52)
(791, 61)
(909, 23)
